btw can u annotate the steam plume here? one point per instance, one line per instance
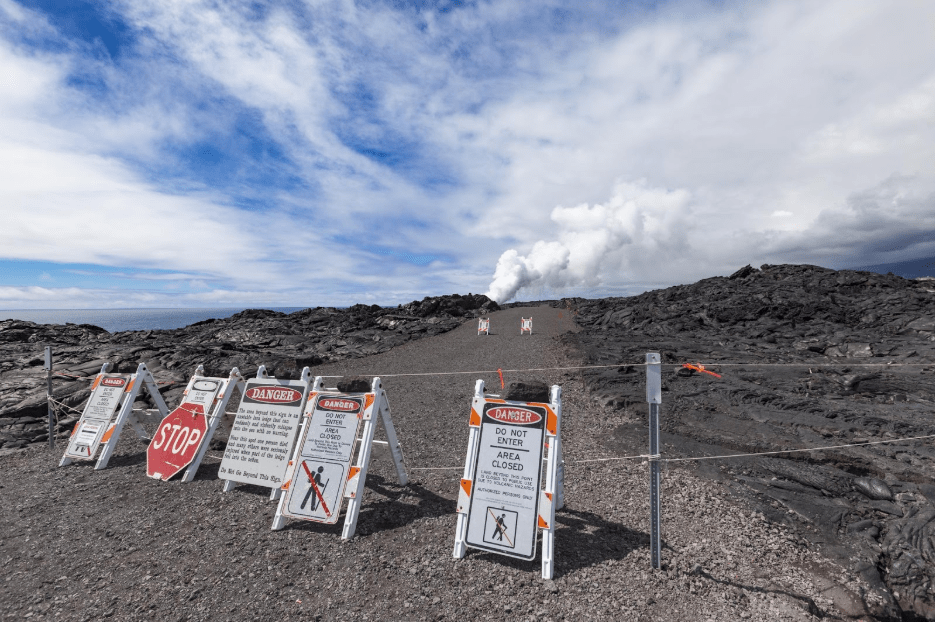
(593, 240)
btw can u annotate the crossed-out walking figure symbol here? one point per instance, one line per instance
(311, 490)
(500, 528)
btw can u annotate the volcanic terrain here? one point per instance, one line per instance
(807, 358)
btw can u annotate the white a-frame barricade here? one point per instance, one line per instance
(110, 394)
(483, 325)
(502, 504)
(182, 438)
(525, 325)
(263, 433)
(320, 474)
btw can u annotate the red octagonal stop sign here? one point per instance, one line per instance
(176, 441)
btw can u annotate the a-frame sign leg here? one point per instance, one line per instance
(234, 381)
(395, 449)
(464, 491)
(548, 498)
(355, 493)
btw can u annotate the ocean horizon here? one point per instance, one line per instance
(117, 320)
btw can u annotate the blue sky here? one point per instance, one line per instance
(195, 154)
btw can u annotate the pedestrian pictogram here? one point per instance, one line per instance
(316, 486)
(264, 430)
(109, 408)
(182, 438)
(501, 523)
(502, 503)
(337, 427)
(525, 325)
(483, 326)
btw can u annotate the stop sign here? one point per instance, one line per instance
(176, 441)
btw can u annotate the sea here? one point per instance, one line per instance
(116, 320)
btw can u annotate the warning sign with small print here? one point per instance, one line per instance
(97, 416)
(503, 512)
(263, 432)
(326, 450)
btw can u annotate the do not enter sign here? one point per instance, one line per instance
(176, 441)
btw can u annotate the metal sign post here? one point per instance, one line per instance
(48, 368)
(501, 502)
(654, 398)
(97, 427)
(320, 475)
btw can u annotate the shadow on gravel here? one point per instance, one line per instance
(586, 539)
(396, 506)
(207, 471)
(123, 460)
(399, 505)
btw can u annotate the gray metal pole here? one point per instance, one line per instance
(654, 398)
(48, 366)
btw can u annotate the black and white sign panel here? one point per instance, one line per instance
(97, 416)
(317, 487)
(503, 513)
(203, 392)
(264, 429)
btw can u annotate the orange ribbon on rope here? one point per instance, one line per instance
(700, 368)
(499, 371)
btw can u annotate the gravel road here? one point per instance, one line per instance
(78, 544)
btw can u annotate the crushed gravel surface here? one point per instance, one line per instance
(79, 544)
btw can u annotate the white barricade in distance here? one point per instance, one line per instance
(263, 432)
(336, 426)
(483, 326)
(98, 427)
(182, 438)
(525, 325)
(502, 504)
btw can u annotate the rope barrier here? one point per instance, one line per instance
(91, 378)
(497, 371)
(659, 458)
(787, 451)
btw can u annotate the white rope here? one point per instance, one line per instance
(659, 458)
(711, 364)
(788, 451)
(63, 406)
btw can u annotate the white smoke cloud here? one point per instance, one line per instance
(593, 240)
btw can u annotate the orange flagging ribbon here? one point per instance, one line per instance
(700, 368)
(499, 371)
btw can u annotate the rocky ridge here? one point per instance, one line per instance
(808, 357)
(285, 343)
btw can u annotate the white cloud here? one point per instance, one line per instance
(640, 148)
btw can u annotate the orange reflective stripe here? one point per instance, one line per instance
(108, 433)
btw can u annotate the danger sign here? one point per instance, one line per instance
(317, 485)
(263, 432)
(97, 416)
(502, 514)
